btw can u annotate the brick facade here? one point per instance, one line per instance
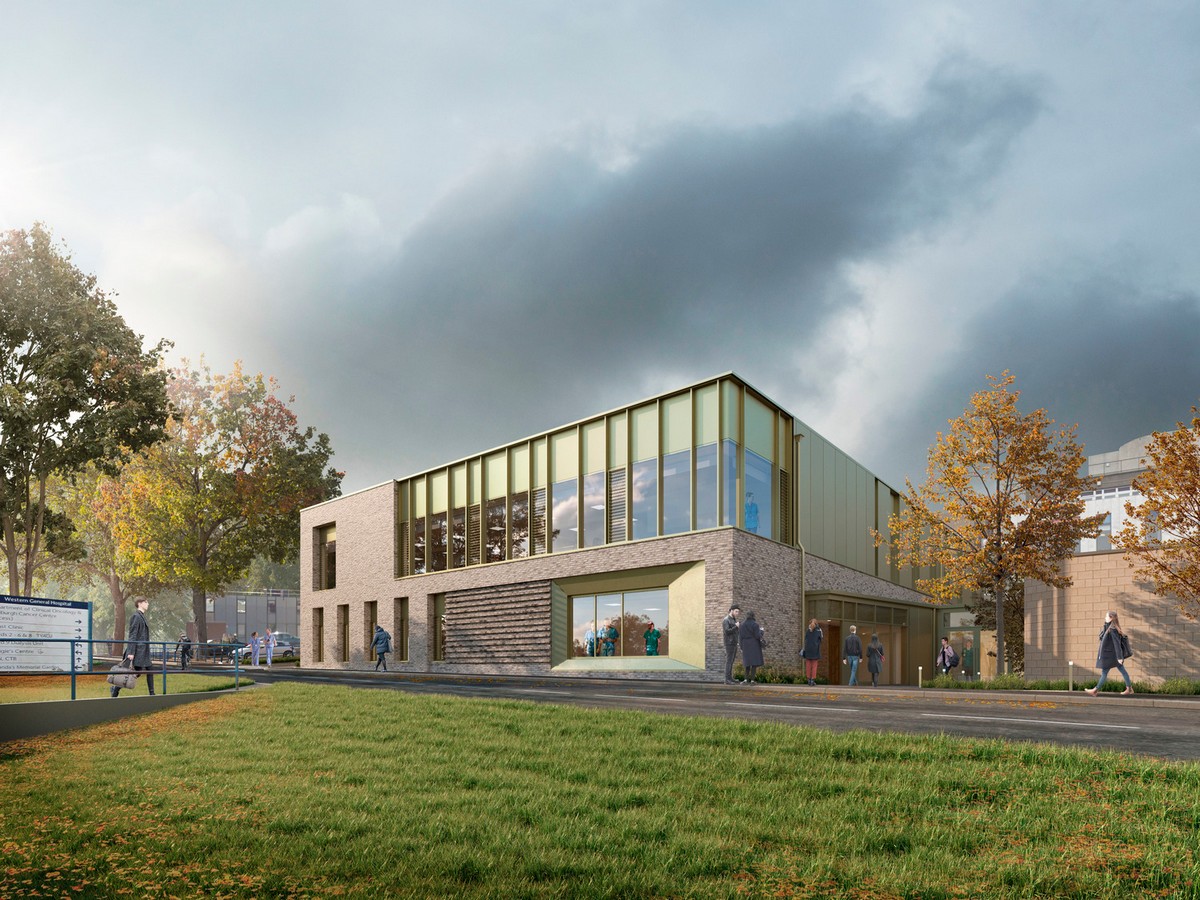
(498, 616)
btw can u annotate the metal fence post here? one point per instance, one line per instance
(920, 679)
(72, 668)
(1070, 674)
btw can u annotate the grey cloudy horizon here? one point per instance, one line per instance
(445, 228)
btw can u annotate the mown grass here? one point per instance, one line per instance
(1170, 687)
(312, 791)
(37, 688)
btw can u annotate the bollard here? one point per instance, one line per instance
(1070, 675)
(920, 678)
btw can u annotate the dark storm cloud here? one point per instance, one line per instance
(1098, 351)
(553, 277)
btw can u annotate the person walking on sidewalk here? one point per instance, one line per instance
(382, 645)
(875, 659)
(812, 650)
(852, 651)
(137, 646)
(1112, 652)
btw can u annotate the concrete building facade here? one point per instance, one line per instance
(564, 553)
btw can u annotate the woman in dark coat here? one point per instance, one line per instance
(812, 650)
(751, 635)
(1111, 654)
(875, 659)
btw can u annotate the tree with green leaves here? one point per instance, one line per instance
(226, 487)
(76, 387)
(1161, 537)
(1002, 502)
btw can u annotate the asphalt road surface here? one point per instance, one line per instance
(1151, 726)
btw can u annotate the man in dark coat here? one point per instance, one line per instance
(853, 652)
(382, 645)
(137, 646)
(729, 630)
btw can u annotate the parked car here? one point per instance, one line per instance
(285, 645)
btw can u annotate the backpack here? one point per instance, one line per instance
(952, 658)
(1126, 650)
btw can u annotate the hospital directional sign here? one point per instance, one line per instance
(34, 632)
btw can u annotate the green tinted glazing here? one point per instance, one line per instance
(518, 467)
(618, 440)
(593, 447)
(706, 414)
(645, 432)
(760, 428)
(496, 467)
(564, 457)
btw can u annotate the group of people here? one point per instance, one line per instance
(748, 636)
(259, 644)
(603, 641)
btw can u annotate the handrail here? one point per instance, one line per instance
(229, 649)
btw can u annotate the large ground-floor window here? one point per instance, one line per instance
(623, 623)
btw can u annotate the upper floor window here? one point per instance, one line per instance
(326, 558)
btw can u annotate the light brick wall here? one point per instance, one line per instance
(759, 574)
(1063, 624)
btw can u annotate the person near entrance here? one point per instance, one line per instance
(969, 663)
(137, 646)
(875, 659)
(853, 651)
(812, 650)
(947, 659)
(729, 631)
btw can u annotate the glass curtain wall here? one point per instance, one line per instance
(710, 456)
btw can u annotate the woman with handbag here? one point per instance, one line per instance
(1113, 652)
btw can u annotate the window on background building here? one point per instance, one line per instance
(1104, 538)
(318, 634)
(626, 624)
(370, 620)
(439, 628)
(326, 558)
(343, 627)
(419, 546)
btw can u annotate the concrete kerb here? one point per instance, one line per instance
(27, 720)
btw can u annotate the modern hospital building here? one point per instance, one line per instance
(652, 517)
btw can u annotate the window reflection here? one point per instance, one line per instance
(593, 510)
(729, 474)
(757, 506)
(519, 529)
(706, 486)
(677, 492)
(564, 515)
(496, 523)
(645, 499)
(437, 542)
(633, 623)
(419, 546)
(458, 539)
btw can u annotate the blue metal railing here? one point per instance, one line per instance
(211, 651)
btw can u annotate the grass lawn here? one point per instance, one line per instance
(36, 688)
(315, 791)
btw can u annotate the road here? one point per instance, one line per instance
(1152, 726)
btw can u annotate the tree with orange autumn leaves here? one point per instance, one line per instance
(1161, 537)
(1002, 502)
(226, 486)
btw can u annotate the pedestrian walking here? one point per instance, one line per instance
(137, 645)
(750, 635)
(947, 659)
(269, 645)
(853, 651)
(382, 645)
(1114, 650)
(185, 652)
(812, 650)
(255, 646)
(875, 659)
(730, 631)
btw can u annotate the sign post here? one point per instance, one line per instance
(45, 635)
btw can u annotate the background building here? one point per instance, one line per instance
(664, 511)
(1063, 624)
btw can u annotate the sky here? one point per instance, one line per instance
(447, 226)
